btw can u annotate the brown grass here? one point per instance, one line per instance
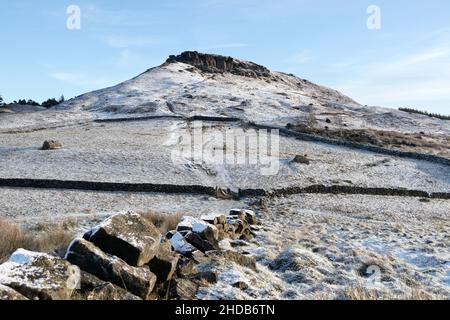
(51, 238)
(163, 221)
(436, 145)
(11, 238)
(359, 292)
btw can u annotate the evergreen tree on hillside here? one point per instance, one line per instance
(425, 113)
(1, 100)
(50, 103)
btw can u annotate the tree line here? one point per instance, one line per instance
(30, 102)
(426, 113)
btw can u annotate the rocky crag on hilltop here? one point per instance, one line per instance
(212, 63)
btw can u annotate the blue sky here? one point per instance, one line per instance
(406, 63)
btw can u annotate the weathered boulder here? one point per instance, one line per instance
(201, 244)
(180, 245)
(302, 159)
(205, 230)
(128, 236)
(230, 230)
(214, 219)
(39, 275)
(199, 257)
(248, 216)
(183, 289)
(92, 288)
(139, 281)
(221, 232)
(164, 264)
(237, 214)
(186, 223)
(208, 232)
(237, 225)
(247, 234)
(51, 145)
(186, 267)
(6, 293)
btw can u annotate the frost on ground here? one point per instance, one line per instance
(142, 152)
(326, 247)
(31, 205)
(309, 246)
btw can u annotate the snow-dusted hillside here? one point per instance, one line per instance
(194, 87)
(309, 245)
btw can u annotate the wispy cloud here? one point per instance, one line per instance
(299, 59)
(81, 80)
(419, 79)
(125, 57)
(94, 14)
(124, 41)
(255, 10)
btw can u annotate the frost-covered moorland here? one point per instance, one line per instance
(309, 245)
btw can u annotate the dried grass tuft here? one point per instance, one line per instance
(163, 221)
(51, 238)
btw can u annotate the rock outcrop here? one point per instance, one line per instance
(212, 63)
(138, 281)
(302, 159)
(126, 258)
(128, 236)
(51, 145)
(164, 264)
(92, 288)
(39, 276)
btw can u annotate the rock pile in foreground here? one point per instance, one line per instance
(127, 258)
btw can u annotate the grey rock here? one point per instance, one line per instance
(214, 219)
(140, 281)
(218, 64)
(184, 289)
(6, 293)
(39, 275)
(164, 264)
(301, 159)
(198, 242)
(128, 236)
(181, 245)
(186, 267)
(51, 145)
(92, 288)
